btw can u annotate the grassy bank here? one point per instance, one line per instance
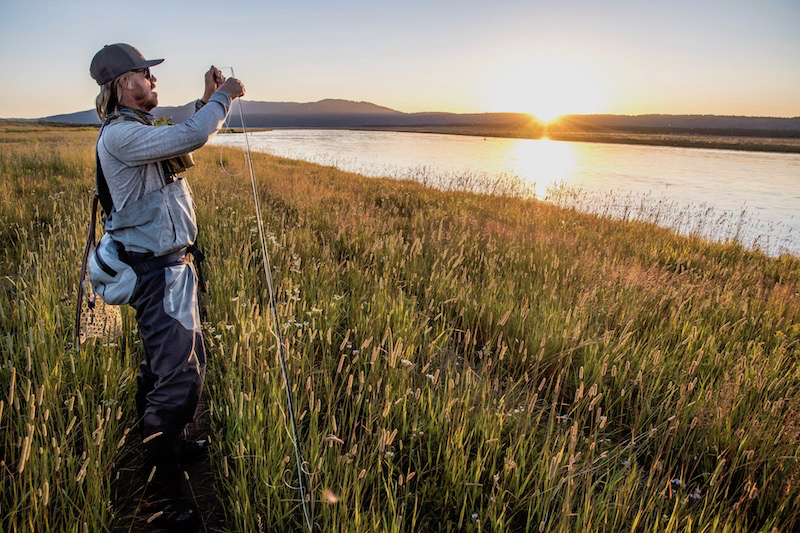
(678, 140)
(717, 142)
(460, 362)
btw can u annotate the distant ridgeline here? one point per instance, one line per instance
(347, 114)
(677, 124)
(334, 114)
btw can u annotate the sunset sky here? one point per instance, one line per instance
(734, 57)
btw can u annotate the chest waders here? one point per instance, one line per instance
(171, 374)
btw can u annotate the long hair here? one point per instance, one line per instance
(108, 99)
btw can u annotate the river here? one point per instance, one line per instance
(753, 197)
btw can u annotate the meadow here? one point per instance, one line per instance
(459, 361)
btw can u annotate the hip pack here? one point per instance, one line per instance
(113, 279)
(114, 274)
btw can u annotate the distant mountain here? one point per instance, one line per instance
(327, 114)
(332, 113)
(81, 117)
(265, 114)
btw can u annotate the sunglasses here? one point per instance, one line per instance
(146, 72)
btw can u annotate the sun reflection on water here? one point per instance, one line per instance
(543, 162)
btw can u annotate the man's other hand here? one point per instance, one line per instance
(232, 87)
(213, 79)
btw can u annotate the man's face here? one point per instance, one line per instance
(138, 90)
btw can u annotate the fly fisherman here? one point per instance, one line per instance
(153, 222)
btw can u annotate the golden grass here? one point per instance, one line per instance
(460, 362)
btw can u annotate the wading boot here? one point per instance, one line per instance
(175, 514)
(193, 451)
(163, 500)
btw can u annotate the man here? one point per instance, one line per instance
(151, 215)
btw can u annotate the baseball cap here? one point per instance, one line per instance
(115, 60)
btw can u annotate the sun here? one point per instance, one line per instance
(547, 89)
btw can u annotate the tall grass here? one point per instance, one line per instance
(460, 362)
(62, 412)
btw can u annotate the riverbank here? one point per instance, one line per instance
(751, 144)
(719, 142)
(459, 361)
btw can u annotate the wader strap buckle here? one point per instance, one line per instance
(162, 261)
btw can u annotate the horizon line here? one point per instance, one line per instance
(618, 114)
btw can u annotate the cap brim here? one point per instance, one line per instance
(151, 63)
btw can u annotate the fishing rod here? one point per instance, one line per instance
(308, 515)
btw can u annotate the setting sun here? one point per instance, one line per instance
(547, 90)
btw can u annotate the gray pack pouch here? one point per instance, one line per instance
(112, 279)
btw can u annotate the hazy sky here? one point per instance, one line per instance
(730, 57)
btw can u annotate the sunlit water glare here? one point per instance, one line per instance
(753, 197)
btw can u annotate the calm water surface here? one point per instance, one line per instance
(721, 194)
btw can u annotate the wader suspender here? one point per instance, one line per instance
(103, 196)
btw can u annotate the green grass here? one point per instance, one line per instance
(460, 362)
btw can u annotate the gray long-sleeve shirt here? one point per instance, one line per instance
(150, 213)
(130, 151)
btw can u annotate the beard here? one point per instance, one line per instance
(146, 99)
(150, 101)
